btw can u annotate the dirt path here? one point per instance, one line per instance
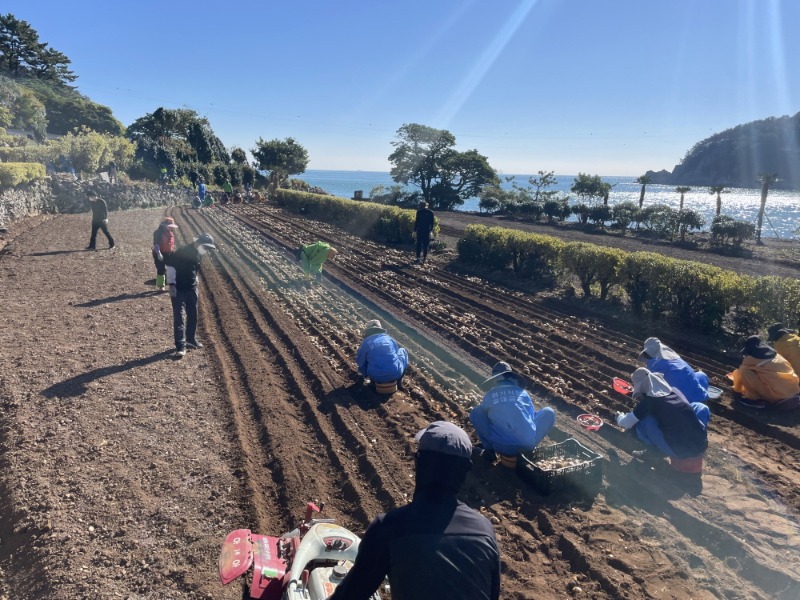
(126, 468)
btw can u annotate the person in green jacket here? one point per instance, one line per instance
(313, 256)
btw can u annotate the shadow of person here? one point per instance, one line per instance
(119, 298)
(76, 386)
(55, 252)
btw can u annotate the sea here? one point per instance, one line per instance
(782, 218)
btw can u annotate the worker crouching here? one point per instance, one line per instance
(666, 420)
(381, 359)
(506, 421)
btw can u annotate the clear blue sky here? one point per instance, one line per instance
(609, 87)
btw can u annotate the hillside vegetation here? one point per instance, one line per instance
(736, 156)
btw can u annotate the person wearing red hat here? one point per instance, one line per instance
(163, 245)
(182, 268)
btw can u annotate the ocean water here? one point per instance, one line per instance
(782, 212)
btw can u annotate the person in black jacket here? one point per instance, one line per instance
(423, 228)
(436, 547)
(182, 267)
(99, 219)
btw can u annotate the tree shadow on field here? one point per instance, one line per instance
(76, 386)
(119, 298)
(55, 252)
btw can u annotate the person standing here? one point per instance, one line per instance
(182, 268)
(201, 190)
(99, 219)
(435, 547)
(112, 172)
(163, 245)
(423, 229)
(227, 191)
(505, 420)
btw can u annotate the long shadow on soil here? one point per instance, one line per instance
(55, 252)
(119, 298)
(75, 386)
(357, 393)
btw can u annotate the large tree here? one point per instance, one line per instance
(588, 187)
(766, 179)
(23, 55)
(178, 139)
(426, 157)
(281, 158)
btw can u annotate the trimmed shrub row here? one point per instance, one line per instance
(379, 222)
(688, 293)
(13, 174)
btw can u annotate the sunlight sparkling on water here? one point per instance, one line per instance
(782, 213)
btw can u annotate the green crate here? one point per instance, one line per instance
(585, 477)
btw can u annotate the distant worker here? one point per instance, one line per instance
(163, 245)
(659, 358)
(227, 190)
(764, 375)
(201, 189)
(423, 229)
(99, 219)
(506, 421)
(313, 256)
(786, 343)
(208, 201)
(163, 177)
(196, 202)
(182, 269)
(112, 172)
(664, 419)
(435, 547)
(380, 357)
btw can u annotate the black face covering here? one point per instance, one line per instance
(440, 474)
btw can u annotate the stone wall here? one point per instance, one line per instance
(62, 194)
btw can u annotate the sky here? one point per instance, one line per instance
(608, 87)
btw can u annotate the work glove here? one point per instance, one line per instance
(105, 222)
(620, 416)
(160, 256)
(173, 291)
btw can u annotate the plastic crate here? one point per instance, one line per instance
(585, 477)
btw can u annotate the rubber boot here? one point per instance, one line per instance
(160, 281)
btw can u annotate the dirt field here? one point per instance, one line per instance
(123, 468)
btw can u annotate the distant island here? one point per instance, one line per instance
(736, 157)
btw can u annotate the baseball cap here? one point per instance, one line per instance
(446, 438)
(206, 240)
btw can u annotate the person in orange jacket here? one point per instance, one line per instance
(764, 374)
(786, 343)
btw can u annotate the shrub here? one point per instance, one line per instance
(726, 230)
(14, 174)
(689, 219)
(366, 219)
(581, 211)
(556, 210)
(623, 214)
(591, 263)
(661, 219)
(599, 214)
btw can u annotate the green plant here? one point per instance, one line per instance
(14, 174)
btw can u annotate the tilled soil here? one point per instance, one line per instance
(123, 467)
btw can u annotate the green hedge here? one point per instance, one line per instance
(365, 219)
(14, 174)
(688, 293)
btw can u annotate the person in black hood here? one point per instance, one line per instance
(99, 219)
(435, 547)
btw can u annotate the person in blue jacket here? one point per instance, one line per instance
(506, 421)
(662, 359)
(380, 357)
